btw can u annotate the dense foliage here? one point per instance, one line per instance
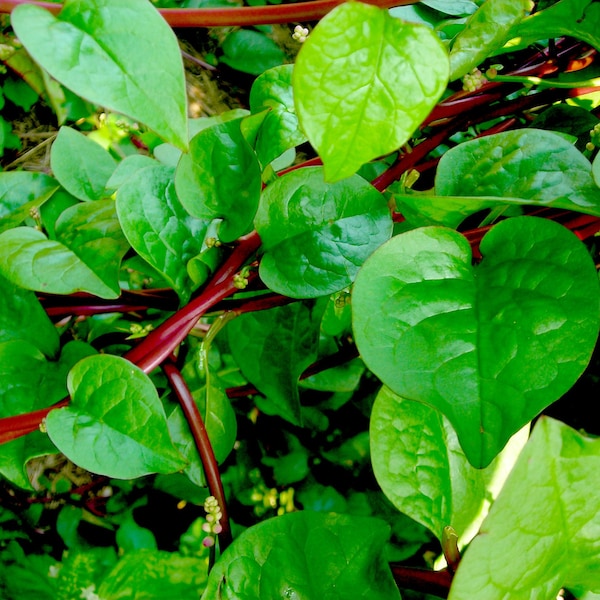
(319, 345)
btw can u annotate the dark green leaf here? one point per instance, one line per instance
(272, 348)
(541, 532)
(251, 51)
(538, 166)
(220, 178)
(121, 55)
(306, 555)
(115, 424)
(158, 227)
(315, 234)
(81, 165)
(363, 82)
(490, 346)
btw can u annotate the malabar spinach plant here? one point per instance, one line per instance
(349, 309)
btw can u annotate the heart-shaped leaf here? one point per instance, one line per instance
(306, 555)
(115, 424)
(542, 531)
(315, 235)
(158, 227)
(363, 82)
(490, 346)
(421, 468)
(99, 51)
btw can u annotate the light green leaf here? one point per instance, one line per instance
(220, 178)
(542, 532)
(158, 227)
(115, 424)
(363, 82)
(20, 187)
(272, 348)
(421, 468)
(120, 54)
(29, 259)
(535, 165)
(490, 345)
(279, 130)
(315, 235)
(306, 555)
(81, 165)
(486, 30)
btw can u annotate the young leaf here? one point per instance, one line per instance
(490, 346)
(81, 165)
(279, 130)
(115, 424)
(272, 348)
(306, 555)
(363, 82)
(316, 235)
(120, 54)
(541, 532)
(420, 467)
(32, 261)
(220, 179)
(158, 227)
(486, 30)
(533, 164)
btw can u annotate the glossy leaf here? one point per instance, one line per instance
(23, 318)
(574, 18)
(220, 179)
(158, 227)
(486, 30)
(20, 187)
(81, 165)
(93, 233)
(272, 348)
(541, 533)
(316, 235)
(251, 52)
(279, 130)
(306, 555)
(32, 261)
(115, 424)
(532, 164)
(98, 50)
(363, 82)
(421, 468)
(490, 345)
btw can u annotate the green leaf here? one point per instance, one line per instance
(315, 235)
(115, 424)
(220, 179)
(486, 30)
(306, 555)
(158, 227)
(32, 261)
(491, 345)
(535, 165)
(420, 467)
(20, 187)
(272, 348)
(120, 54)
(279, 130)
(575, 18)
(541, 533)
(91, 230)
(363, 82)
(155, 574)
(81, 165)
(251, 52)
(23, 318)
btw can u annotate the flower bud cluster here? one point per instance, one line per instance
(213, 517)
(474, 80)
(300, 33)
(594, 138)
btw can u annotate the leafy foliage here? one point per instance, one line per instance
(328, 332)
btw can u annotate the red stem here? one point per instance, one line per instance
(239, 16)
(422, 580)
(205, 449)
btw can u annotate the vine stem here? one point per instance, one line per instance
(234, 16)
(422, 580)
(205, 449)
